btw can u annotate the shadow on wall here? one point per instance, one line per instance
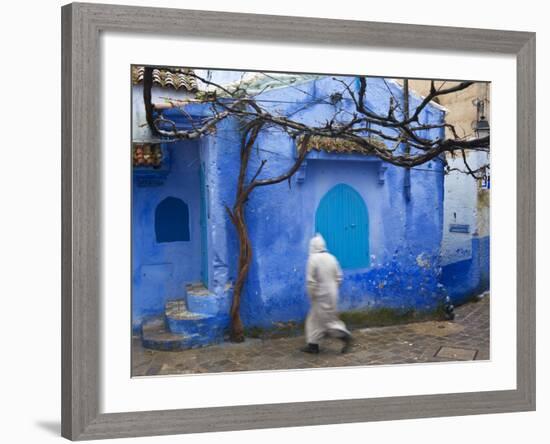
(466, 279)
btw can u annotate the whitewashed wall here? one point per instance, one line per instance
(463, 204)
(140, 129)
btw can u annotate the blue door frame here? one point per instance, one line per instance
(204, 228)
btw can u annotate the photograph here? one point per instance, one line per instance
(286, 220)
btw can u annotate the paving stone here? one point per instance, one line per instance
(457, 354)
(403, 344)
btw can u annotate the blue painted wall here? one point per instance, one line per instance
(404, 235)
(160, 270)
(468, 278)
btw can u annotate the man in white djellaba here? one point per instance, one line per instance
(323, 279)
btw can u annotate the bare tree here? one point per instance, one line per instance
(370, 133)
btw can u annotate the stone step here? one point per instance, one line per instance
(197, 288)
(204, 328)
(200, 300)
(155, 336)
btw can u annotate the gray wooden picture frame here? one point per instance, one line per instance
(81, 172)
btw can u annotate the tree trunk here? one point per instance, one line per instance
(237, 216)
(245, 257)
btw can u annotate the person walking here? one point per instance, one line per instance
(323, 279)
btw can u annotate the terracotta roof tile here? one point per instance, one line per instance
(176, 78)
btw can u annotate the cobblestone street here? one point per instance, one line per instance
(465, 338)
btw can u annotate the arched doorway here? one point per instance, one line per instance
(342, 219)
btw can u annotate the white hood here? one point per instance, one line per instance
(317, 244)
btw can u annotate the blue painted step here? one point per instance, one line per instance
(201, 329)
(181, 329)
(200, 300)
(155, 336)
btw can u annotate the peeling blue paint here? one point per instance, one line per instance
(464, 279)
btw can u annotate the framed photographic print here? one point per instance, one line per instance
(278, 221)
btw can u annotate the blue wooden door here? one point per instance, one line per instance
(342, 219)
(204, 228)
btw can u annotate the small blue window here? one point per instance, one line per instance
(172, 220)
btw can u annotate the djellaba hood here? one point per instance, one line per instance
(317, 244)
